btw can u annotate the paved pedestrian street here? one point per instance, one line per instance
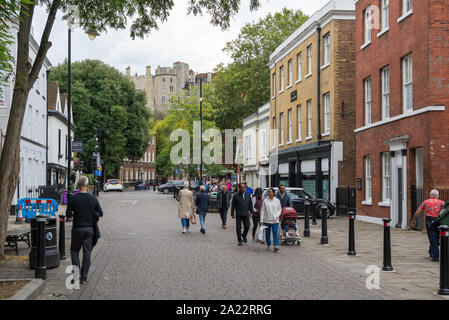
(143, 255)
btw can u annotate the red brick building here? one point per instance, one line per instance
(402, 101)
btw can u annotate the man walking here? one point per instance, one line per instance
(241, 208)
(431, 208)
(223, 200)
(284, 197)
(86, 211)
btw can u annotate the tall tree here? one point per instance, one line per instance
(244, 85)
(93, 14)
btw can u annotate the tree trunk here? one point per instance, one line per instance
(26, 75)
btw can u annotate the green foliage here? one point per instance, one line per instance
(244, 85)
(105, 99)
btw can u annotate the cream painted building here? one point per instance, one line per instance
(256, 152)
(164, 84)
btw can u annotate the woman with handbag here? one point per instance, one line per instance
(202, 203)
(186, 209)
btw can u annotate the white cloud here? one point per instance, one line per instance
(182, 38)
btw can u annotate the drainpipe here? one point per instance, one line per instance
(46, 138)
(318, 168)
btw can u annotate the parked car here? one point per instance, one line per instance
(171, 186)
(113, 185)
(299, 195)
(141, 185)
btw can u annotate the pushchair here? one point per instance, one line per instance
(288, 218)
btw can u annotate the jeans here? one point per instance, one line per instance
(433, 234)
(82, 237)
(185, 223)
(202, 221)
(275, 228)
(223, 215)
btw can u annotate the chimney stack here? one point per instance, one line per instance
(128, 71)
(148, 71)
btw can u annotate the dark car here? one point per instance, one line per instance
(141, 185)
(171, 186)
(299, 195)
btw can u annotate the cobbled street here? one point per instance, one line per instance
(143, 255)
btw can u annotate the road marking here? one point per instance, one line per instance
(134, 202)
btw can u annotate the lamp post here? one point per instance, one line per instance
(201, 130)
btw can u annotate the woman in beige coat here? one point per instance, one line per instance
(186, 209)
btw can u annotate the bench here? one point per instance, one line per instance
(14, 236)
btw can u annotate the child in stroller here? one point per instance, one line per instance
(289, 231)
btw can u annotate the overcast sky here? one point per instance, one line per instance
(183, 38)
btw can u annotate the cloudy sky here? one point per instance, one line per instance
(182, 38)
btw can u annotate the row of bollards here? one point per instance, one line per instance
(307, 207)
(42, 236)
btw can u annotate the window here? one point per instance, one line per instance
(281, 129)
(163, 79)
(248, 146)
(274, 132)
(163, 99)
(289, 125)
(59, 141)
(367, 26)
(407, 83)
(66, 147)
(385, 93)
(385, 14)
(406, 6)
(281, 75)
(368, 186)
(171, 89)
(327, 52)
(263, 142)
(368, 101)
(386, 177)
(290, 73)
(299, 58)
(298, 110)
(152, 156)
(274, 84)
(309, 118)
(309, 59)
(327, 112)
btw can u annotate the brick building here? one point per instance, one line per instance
(143, 170)
(402, 95)
(312, 106)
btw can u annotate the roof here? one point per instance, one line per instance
(53, 90)
(63, 98)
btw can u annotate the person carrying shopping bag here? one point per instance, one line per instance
(269, 216)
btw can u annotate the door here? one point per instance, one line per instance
(400, 198)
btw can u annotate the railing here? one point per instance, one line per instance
(417, 199)
(31, 192)
(444, 194)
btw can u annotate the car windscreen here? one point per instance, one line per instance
(297, 194)
(114, 181)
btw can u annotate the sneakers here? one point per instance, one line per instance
(276, 249)
(203, 231)
(268, 249)
(184, 230)
(82, 281)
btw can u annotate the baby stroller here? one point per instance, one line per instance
(288, 218)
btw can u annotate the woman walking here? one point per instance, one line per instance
(257, 205)
(269, 215)
(202, 203)
(186, 208)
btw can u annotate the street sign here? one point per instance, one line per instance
(77, 146)
(98, 173)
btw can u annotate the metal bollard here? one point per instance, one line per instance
(62, 255)
(41, 268)
(444, 261)
(387, 246)
(351, 250)
(324, 239)
(314, 208)
(68, 208)
(306, 219)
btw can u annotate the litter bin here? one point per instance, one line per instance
(51, 243)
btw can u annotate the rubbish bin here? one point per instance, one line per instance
(51, 242)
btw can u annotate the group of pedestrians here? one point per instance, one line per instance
(243, 206)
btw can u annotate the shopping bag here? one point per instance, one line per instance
(259, 234)
(193, 218)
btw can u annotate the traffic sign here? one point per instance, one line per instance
(77, 146)
(98, 173)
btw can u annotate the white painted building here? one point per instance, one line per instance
(57, 135)
(34, 129)
(256, 129)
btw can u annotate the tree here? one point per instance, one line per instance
(105, 100)
(244, 85)
(93, 14)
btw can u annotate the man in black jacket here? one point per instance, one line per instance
(284, 197)
(223, 201)
(242, 206)
(86, 210)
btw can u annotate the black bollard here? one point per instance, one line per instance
(324, 239)
(306, 219)
(40, 271)
(68, 209)
(387, 246)
(314, 209)
(351, 250)
(444, 261)
(62, 255)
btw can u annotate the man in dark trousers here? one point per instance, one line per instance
(223, 201)
(284, 197)
(86, 210)
(241, 208)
